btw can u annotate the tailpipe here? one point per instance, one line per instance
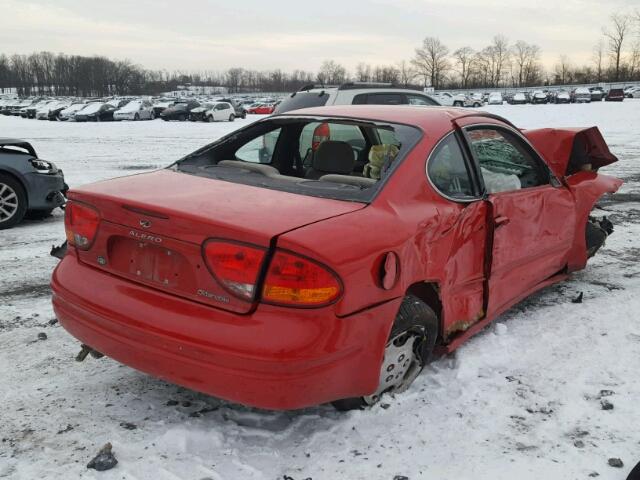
(87, 350)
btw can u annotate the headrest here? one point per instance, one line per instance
(335, 157)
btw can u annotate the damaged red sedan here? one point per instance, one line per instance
(326, 254)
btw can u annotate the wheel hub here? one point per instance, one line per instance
(8, 202)
(400, 366)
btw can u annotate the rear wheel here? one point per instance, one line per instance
(182, 117)
(210, 118)
(457, 104)
(136, 117)
(232, 117)
(13, 202)
(408, 349)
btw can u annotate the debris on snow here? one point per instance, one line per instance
(578, 299)
(105, 460)
(42, 336)
(128, 425)
(615, 463)
(606, 405)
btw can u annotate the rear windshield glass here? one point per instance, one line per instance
(299, 100)
(343, 159)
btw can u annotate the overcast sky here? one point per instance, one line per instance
(260, 34)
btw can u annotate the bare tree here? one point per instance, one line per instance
(563, 69)
(465, 60)
(616, 36)
(431, 61)
(598, 58)
(525, 59)
(363, 72)
(331, 73)
(406, 73)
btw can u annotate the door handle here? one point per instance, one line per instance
(501, 220)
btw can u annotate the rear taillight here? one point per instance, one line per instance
(81, 224)
(297, 281)
(235, 265)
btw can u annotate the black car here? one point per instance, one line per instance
(96, 112)
(180, 110)
(28, 184)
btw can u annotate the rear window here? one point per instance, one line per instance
(299, 100)
(343, 159)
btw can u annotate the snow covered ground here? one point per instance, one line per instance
(523, 399)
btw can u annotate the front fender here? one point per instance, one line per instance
(587, 188)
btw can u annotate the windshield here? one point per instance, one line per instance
(343, 159)
(299, 100)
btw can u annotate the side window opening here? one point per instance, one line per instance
(447, 170)
(505, 162)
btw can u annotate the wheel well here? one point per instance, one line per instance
(19, 180)
(429, 293)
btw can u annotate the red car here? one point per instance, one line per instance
(615, 95)
(264, 109)
(326, 254)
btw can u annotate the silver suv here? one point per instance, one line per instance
(354, 93)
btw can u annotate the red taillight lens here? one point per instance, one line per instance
(320, 134)
(297, 281)
(235, 265)
(81, 224)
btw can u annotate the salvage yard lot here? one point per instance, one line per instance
(523, 399)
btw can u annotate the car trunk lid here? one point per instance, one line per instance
(153, 227)
(570, 150)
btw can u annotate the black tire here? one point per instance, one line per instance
(457, 104)
(136, 117)
(182, 117)
(210, 118)
(21, 210)
(244, 115)
(414, 316)
(232, 117)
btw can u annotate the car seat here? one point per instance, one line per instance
(331, 157)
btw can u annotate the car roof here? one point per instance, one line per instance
(420, 116)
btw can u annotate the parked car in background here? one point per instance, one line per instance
(615, 95)
(118, 102)
(239, 110)
(266, 261)
(636, 93)
(135, 110)
(539, 97)
(581, 95)
(179, 111)
(354, 93)
(96, 112)
(219, 112)
(160, 105)
(198, 114)
(597, 94)
(51, 110)
(495, 98)
(561, 96)
(519, 98)
(629, 91)
(262, 109)
(69, 113)
(28, 185)
(29, 111)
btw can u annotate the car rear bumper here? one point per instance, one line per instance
(275, 358)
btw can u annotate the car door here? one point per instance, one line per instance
(531, 215)
(463, 286)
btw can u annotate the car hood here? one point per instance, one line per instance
(557, 147)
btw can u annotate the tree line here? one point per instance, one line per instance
(615, 58)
